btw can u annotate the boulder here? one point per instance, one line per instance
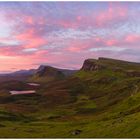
(76, 132)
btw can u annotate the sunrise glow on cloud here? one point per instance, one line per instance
(64, 34)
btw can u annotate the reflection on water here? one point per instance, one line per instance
(33, 84)
(22, 92)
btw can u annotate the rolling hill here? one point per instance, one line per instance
(101, 100)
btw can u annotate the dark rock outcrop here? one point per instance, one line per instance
(112, 64)
(76, 132)
(92, 65)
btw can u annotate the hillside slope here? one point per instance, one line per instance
(101, 100)
(48, 73)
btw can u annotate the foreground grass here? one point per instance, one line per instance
(127, 127)
(120, 121)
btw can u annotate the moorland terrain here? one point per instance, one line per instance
(101, 100)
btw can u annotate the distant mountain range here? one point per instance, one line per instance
(50, 72)
(42, 71)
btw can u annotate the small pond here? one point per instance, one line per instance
(16, 92)
(33, 84)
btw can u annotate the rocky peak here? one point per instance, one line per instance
(48, 71)
(91, 65)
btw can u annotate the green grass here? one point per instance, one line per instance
(102, 104)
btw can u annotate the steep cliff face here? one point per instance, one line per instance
(92, 65)
(132, 69)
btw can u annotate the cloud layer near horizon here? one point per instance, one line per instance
(63, 34)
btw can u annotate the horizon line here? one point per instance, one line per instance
(9, 72)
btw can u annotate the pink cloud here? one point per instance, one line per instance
(31, 39)
(112, 14)
(29, 20)
(76, 46)
(26, 35)
(131, 38)
(108, 17)
(10, 51)
(111, 42)
(32, 20)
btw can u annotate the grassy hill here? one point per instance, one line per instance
(101, 100)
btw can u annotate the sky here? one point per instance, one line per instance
(64, 34)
